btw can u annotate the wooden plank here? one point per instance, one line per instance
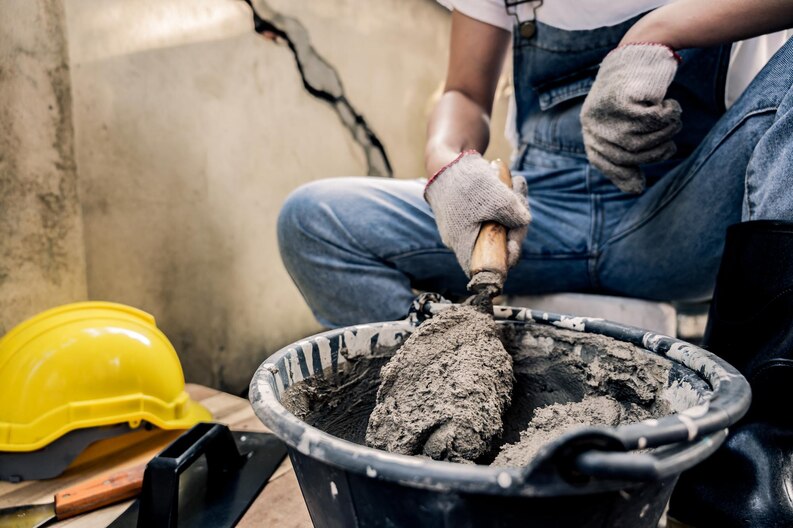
(281, 504)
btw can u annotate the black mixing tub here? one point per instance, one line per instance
(590, 477)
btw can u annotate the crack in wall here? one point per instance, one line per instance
(322, 81)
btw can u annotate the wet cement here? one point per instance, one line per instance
(563, 379)
(553, 420)
(338, 402)
(444, 392)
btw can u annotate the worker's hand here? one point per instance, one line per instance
(625, 119)
(466, 193)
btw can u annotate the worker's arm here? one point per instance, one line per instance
(461, 119)
(702, 23)
(464, 190)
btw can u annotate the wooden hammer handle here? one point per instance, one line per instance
(490, 248)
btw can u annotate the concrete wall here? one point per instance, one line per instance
(191, 130)
(41, 241)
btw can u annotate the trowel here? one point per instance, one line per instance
(489, 263)
(85, 497)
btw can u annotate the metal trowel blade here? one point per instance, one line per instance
(30, 516)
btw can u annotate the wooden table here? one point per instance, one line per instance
(280, 504)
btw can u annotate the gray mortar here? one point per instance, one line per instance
(555, 365)
(340, 403)
(562, 379)
(444, 392)
(553, 420)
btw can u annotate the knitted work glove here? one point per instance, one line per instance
(625, 119)
(468, 192)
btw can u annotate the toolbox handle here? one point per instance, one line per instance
(159, 501)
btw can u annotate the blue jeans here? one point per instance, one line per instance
(357, 247)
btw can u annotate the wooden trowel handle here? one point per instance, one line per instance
(114, 486)
(490, 249)
(99, 492)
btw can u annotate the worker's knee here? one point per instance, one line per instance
(311, 212)
(297, 214)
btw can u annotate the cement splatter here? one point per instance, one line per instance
(338, 404)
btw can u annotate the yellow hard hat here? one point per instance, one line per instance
(88, 364)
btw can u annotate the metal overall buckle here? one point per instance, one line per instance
(526, 28)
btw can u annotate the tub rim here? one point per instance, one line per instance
(701, 428)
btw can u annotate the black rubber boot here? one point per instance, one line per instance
(749, 480)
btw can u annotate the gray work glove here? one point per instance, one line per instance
(468, 192)
(625, 119)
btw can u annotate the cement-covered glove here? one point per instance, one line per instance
(468, 192)
(625, 119)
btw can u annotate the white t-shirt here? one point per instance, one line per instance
(747, 59)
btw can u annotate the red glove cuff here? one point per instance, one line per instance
(455, 160)
(675, 54)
